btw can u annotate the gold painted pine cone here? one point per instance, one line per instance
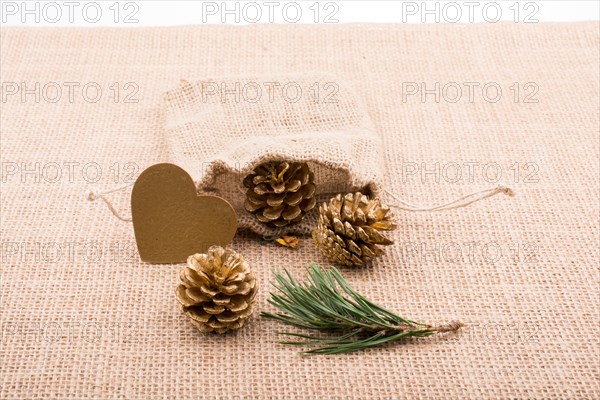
(349, 230)
(280, 193)
(217, 291)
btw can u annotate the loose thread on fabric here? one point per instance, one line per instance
(93, 195)
(452, 205)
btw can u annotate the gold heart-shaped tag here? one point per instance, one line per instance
(171, 222)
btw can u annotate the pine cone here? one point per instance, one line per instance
(349, 229)
(280, 193)
(217, 290)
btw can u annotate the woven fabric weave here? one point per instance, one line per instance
(82, 317)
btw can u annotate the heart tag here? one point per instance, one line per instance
(171, 222)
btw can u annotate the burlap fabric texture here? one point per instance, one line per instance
(220, 129)
(97, 323)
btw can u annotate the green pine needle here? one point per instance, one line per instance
(318, 304)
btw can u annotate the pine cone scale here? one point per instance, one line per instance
(227, 317)
(198, 316)
(276, 201)
(221, 301)
(293, 186)
(213, 309)
(238, 305)
(207, 291)
(196, 295)
(309, 204)
(291, 213)
(293, 199)
(273, 213)
(183, 298)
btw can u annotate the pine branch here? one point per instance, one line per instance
(319, 304)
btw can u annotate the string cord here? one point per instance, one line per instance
(93, 195)
(454, 204)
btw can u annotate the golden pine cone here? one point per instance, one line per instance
(280, 193)
(217, 290)
(349, 229)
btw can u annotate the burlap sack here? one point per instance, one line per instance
(219, 130)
